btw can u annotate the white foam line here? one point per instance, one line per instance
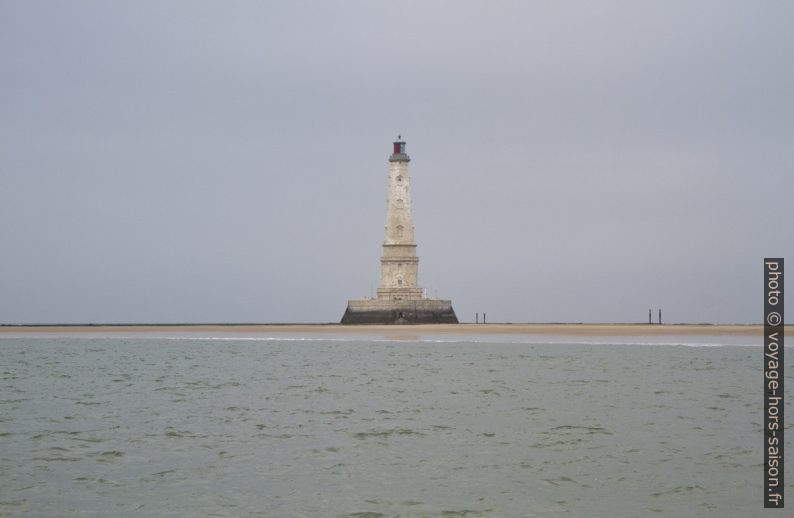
(382, 340)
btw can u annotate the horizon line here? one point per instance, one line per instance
(185, 324)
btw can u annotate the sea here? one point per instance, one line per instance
(280, 425)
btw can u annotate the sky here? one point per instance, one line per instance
(195, 161)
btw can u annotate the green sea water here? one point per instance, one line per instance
(269, 426)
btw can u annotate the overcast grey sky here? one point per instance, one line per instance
(227, 161)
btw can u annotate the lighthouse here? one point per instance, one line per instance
(399, 299)
(399, 265)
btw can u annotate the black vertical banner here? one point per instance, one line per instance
(773, 383)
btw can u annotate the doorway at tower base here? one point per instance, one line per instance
(422, 311)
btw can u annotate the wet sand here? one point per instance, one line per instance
(397, 330)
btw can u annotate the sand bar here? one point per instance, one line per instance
(397, 330)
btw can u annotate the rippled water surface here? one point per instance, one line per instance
(194, 427)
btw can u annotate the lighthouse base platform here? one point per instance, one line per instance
(420, 311)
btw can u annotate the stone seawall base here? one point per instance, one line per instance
(423, 311)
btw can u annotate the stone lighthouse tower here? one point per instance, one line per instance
(399, 298)
(399, 265)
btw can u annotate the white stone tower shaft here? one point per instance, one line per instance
(399, 263)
